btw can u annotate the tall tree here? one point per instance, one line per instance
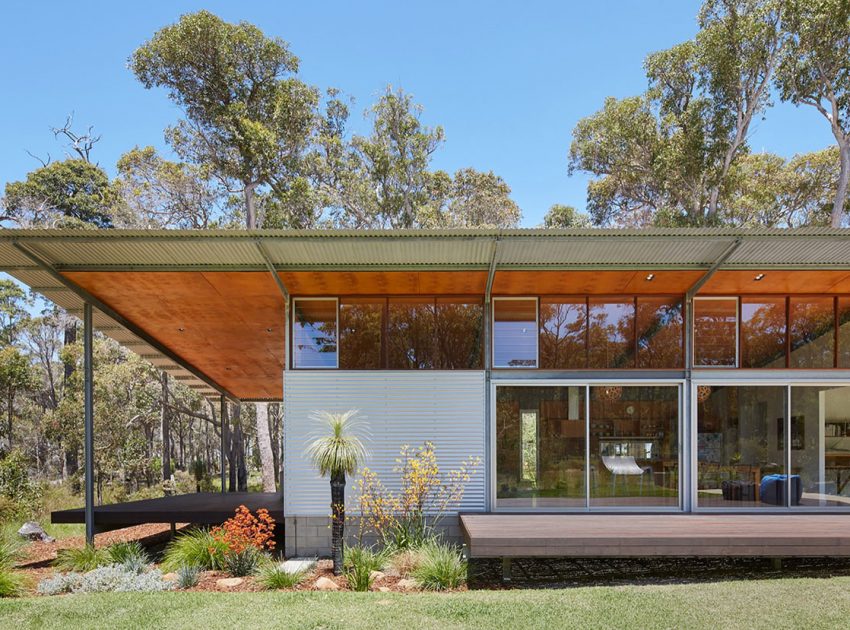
(470, 199)
(561, 216)
(249, 119)
(815, 71)
(267, 466)
(16, 376)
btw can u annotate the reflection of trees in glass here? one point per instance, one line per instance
(762, 332)
(611, 334)
(659, 333)
(360, 332)
(715, 324)
(315, 333)
(411, 340)
(812, 332)
(459, 331)
(563, 335)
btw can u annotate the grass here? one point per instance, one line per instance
(273, 577)
(81, 559)
(793, 603)
(197, 548)
(441, 567)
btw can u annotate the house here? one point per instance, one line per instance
(659, 371)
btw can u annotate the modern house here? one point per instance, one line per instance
(657, 372)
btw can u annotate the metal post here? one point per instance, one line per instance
(88, 403)
(223, 443)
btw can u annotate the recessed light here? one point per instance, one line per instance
(181, 330)
(759, 277)
(268, 330)
(650, 277)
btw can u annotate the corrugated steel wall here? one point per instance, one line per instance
(399, 408)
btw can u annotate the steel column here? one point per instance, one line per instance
(488, 356)
(88, 404)
(223, 443)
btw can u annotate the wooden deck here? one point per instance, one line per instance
(202, 508)
(677, 535)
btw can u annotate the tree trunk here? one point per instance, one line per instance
(337, 519)
(250, 208)
(165, 421)
(72, 461)
(264, 444)
(843, 179)
(10, 408)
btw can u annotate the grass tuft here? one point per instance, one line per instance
(358, 565)
(82, 559)
(441, 567)
(274, 577)
(194, 548)
(128, 553)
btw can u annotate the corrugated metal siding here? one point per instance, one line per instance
(399, 408)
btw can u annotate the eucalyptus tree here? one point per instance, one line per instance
(815, 71)
(561, 216)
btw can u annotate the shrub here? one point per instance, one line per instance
(10, 549)
(274, 576)
(20, 493)
(441, 567)
(196, 547)
(188, 576)
(128, 552)
(11, 583)
(405, 561)
(358, 566)
(111, 579)
(242, 563)
(245, 530)
(83, 559)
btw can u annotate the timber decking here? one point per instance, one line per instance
(201, 508)
(679, 535)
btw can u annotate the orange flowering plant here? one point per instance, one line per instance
(406, 517)
(245, 530)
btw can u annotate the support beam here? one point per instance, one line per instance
(88, 298)
(488, 356)
(224, 438)
(88, 414)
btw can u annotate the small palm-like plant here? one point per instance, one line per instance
(335, 454)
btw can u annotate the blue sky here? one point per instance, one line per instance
(507, 80)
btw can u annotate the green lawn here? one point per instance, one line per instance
(783, 603)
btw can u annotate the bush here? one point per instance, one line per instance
(274, 576)
(10, 548)
(441, 567)
(358, 565)
(84, 559)
(405, 561)
(21, 495)
(128, 553)
(11, 583)
(194, 548)
(242, 563)
(111, 579)
(188, 576)
(244, 530)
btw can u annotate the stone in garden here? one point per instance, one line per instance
(33, 531)
(170, 577)
(377, 575)
(407, 585)
(298, 565)
(390, 572)
(384, 589)
(326, 584)
(229, 582)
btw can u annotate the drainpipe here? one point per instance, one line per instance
(488, 360)
(688, 404)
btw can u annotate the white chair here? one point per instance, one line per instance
(622, 465)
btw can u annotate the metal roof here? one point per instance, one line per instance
(35, 257)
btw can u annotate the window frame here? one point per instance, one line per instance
(292, 323)
(492, 332)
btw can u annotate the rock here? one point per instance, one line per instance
(326, 584)
(377, 575)
(298, 565)
(229, 582)
(33, 531)
(407, 584)
(384, 589)
(390, 572)
(170, 577)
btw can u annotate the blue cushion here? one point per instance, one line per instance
(772, 489)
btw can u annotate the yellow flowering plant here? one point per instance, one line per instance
(407, 517)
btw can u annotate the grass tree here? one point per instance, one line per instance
(336, 452)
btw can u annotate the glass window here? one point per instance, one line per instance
(634, 445)
(741, 446)
(820, 446)
(763, 332)
(563, 334)
(843, 332)
(515, 333)
(411, 334)
(540, 447)
(659, 333)
(361, 325)
(812, 332)
(611, 333)
(715, 332)
(460, 323)
(314, 333)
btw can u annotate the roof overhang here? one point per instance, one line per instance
(70, 267)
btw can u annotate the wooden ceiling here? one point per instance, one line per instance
(777, 281)
(385, 282)
(594, 282)
(228, 325)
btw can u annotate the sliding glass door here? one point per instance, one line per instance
(587, 446)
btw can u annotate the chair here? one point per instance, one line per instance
(622, 465)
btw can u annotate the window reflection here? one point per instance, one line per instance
(361, 325)
(515, 333)
(763, 332)
(411, 334)
(314, 333)
(812, 332)
(459, 333)
(563, 334)
(660, 328)
(611, 333)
